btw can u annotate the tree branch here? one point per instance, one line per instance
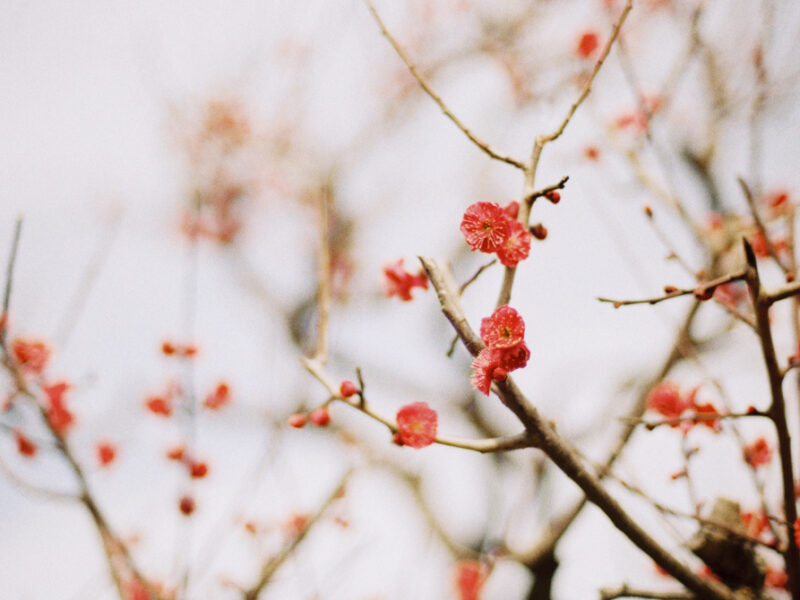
(565, 457)
(436, 98)
(777, 412)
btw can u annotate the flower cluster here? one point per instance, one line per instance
(667, 400)
(399, 282)
(503, 333)
(491, 229)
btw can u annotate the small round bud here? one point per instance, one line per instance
(553, 196)
(198, 470)
(187, 505)
(320, 417)
(298, 420)
(347, 388)
(648, 211)
(538, 231)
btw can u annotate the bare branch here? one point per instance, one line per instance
(436, 98)
(701, 292)
(777, 412)
(546, 190)
(274, 563)
(587, 87)
(504, 297)
(323, 273)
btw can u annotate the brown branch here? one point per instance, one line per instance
(435, 97)
(558, 527)
(564, 456)
(587, 87)
(793, 289)
(528, 188)
(698, 418)
(777, 412)
(464, 286)
(323, 273)
(546, 190)
(273, 564)
(737, 532)
(701, 292)
(477, 274)
(487, 445)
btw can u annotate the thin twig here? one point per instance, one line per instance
(500, 444)
(273, 564)
(700, 292)
(472, 279)
(435, 97)
(587, 87)
(452, 348)
(528, 188)
(323, 273)
(697, 418)
(546, 190)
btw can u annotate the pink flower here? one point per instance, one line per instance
(485, 226)
(666, 400)
(758, 453)
(505, 350)
(494, 364)
(399, 282)
(31, 355)
(416, 425)
(587, 44)
(516, 246)
(503, 329)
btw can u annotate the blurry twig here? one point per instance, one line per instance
(436, 98)
(80, 295)
(701, 292)
(274, 563)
